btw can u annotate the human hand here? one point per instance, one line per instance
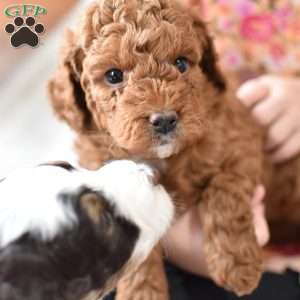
(184, 241)
(274, 102)
(279, 263)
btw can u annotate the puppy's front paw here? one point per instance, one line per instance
(238, 274)
(242, 279)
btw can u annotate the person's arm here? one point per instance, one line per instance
(183, 243)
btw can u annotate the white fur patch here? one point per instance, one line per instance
(165, 151)
(28, 202)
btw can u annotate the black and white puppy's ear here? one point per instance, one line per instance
(102, 243)
(93, 204)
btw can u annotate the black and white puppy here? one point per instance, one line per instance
(65, 233)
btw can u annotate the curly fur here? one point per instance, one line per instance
(217, 156)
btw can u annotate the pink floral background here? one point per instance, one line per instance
(259, 35)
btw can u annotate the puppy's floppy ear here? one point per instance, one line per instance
(65, 90)
(67, 95)
(208, 64)
(209, 59)
(93, 205)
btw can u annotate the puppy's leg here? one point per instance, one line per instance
(147, 283)
(233, 255)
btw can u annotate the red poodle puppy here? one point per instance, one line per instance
(139, 79)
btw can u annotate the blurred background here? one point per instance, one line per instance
(29, 131)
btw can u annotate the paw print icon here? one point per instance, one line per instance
(24, 32)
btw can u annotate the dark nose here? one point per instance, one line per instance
(164, 123)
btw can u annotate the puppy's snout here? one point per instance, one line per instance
(164, 123)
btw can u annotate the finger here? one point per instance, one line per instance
(261, 227)
(259, 220)
(262, 232)
(252, 91)
(276, 264)
(267, 111)
(279, 264)
(280, 132)
(288, 150)
(259, 195)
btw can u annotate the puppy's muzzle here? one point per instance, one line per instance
(164, 123)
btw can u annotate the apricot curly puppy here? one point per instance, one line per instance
(139, 79)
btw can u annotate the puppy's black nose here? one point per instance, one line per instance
(164, 123)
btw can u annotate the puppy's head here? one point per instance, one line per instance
(77, 230)
(142, 72)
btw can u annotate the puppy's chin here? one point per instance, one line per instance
(165, 150)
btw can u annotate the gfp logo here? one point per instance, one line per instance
(24, 29)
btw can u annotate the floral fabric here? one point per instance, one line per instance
(261, 35)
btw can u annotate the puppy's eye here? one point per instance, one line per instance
(182, 64)
(114, 76)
